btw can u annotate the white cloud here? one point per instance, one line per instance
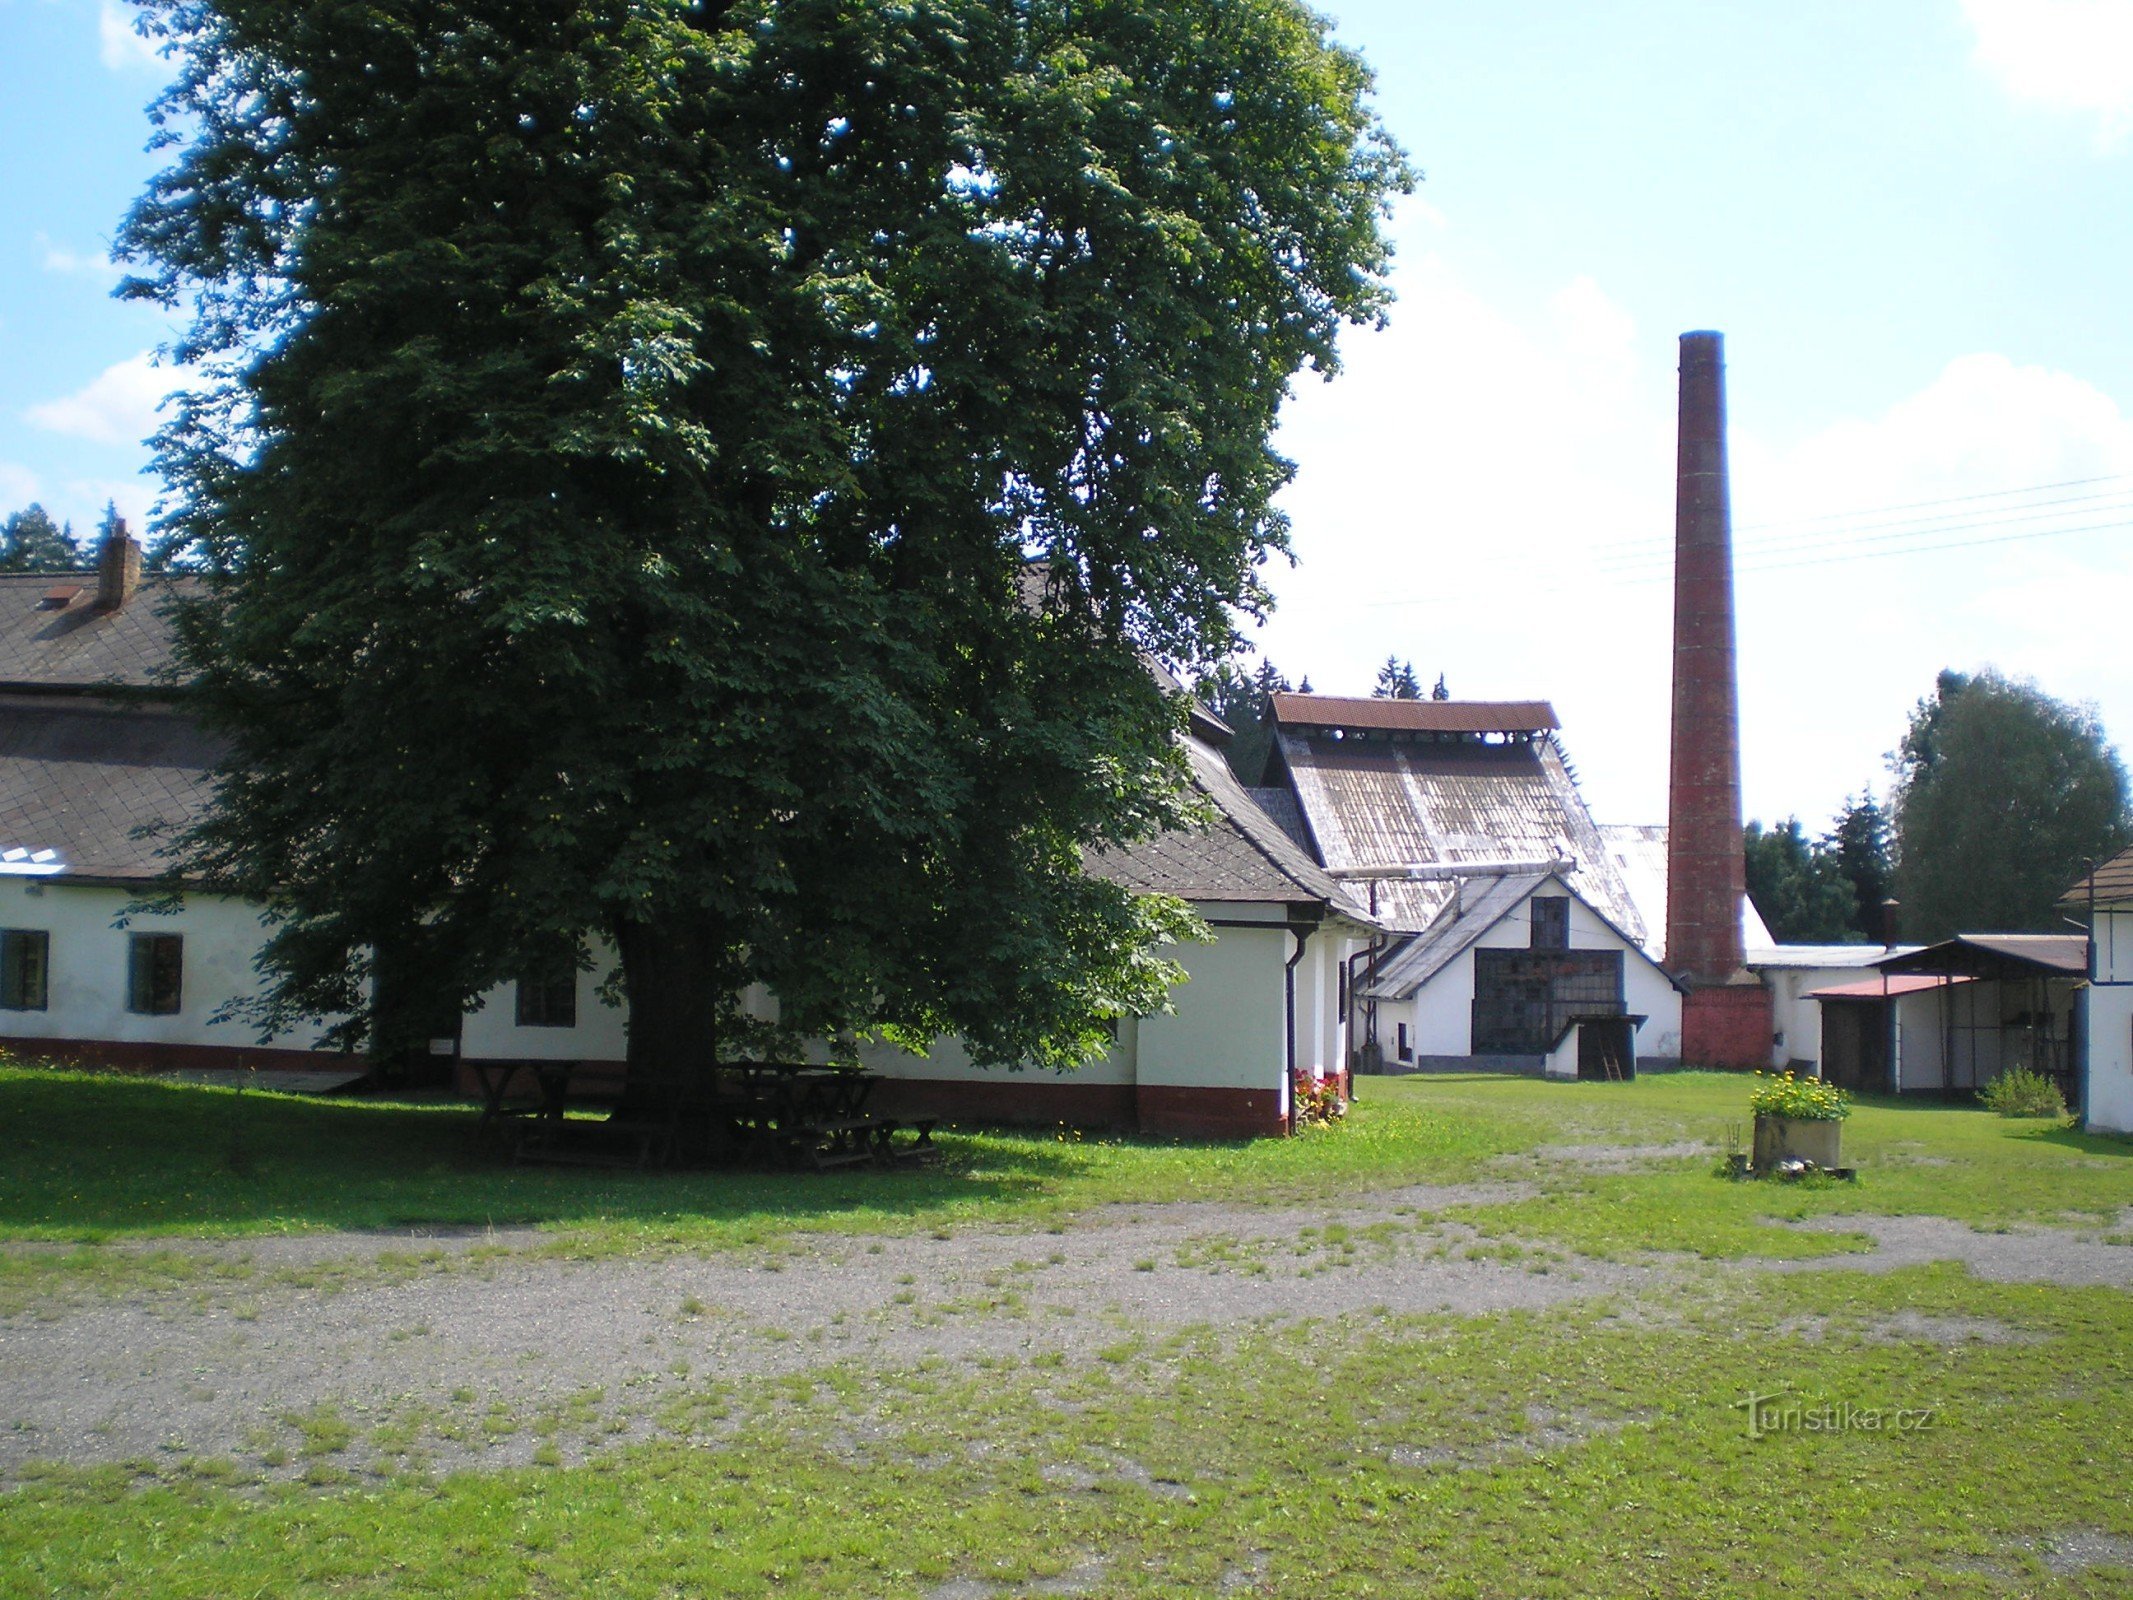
(76, 263)
(118, 406)
(123, 47)
(1488, 490)
(2070, 55)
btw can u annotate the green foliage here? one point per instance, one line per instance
(1242, 701)
(2019, 1092)
(2002, 792)
(30, 541)
(1859, 846)
(1805, 1099)
(1397, 681)
(712, 476)
(1799, 888)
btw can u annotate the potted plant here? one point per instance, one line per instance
(1796, 1119)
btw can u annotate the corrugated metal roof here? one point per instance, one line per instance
(1810, 956)
(78, 777)
(2113, 885)
(1414, 716)
(80, 645)
(1382, 803)
(1990, 954)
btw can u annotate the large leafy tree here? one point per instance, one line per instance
(2001, 793)
(710, 474)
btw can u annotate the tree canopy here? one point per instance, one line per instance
(711, 475)
(30, 541)
(2002, 792)
(1798, 888)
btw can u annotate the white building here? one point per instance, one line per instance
(2107, 1027)
(87, 760)
(1509, 916)
(91, 753)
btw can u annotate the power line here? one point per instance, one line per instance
(1920, 504)
(1924, 529)
(1641, 581)
(1626, 548)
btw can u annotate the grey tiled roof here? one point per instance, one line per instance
(77, 777)
(1243, 855)
(80, 645)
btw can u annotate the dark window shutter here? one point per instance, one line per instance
(140, 974)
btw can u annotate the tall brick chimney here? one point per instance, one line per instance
(118, 567)
(1726, 1015)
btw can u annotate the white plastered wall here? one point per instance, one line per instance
(1440, 1016)
(2108, 1094)
(1225, 1029)
(1795, 1016)
(491, 1032)
(87, 980)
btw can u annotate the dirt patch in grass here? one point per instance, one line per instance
(1618, 1157)
(1911, 1327)
(2079, 1549)
(2010, 1255)
(487, 1363)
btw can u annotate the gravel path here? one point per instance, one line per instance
(155, 1376)
(458, 1353)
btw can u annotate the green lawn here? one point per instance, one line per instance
(1572, 1455)
(1597, 1449)
(96, 1158)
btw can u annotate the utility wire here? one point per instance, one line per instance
(1850, 539)
(1633, 581)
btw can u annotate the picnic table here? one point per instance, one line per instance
(786, 1113)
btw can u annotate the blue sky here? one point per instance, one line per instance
(1909, 218)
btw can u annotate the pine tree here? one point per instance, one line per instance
(1397, 681)
(31, 541)
(1859, 844)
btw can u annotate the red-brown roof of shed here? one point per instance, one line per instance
(1414, 716)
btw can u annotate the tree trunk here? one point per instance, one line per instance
(675, 976)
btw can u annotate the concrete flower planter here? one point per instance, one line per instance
(1796, 1138)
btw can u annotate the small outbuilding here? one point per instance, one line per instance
(1948, 1018)
(2104, 898)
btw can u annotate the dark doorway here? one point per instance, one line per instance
(1855, 1045)
(1607, 1048)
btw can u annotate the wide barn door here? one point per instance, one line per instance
(1523, 998)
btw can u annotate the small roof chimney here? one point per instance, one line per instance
(118, 567)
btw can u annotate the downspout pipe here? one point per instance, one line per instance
(1301, 932)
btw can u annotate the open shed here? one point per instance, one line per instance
(1949, 1018)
